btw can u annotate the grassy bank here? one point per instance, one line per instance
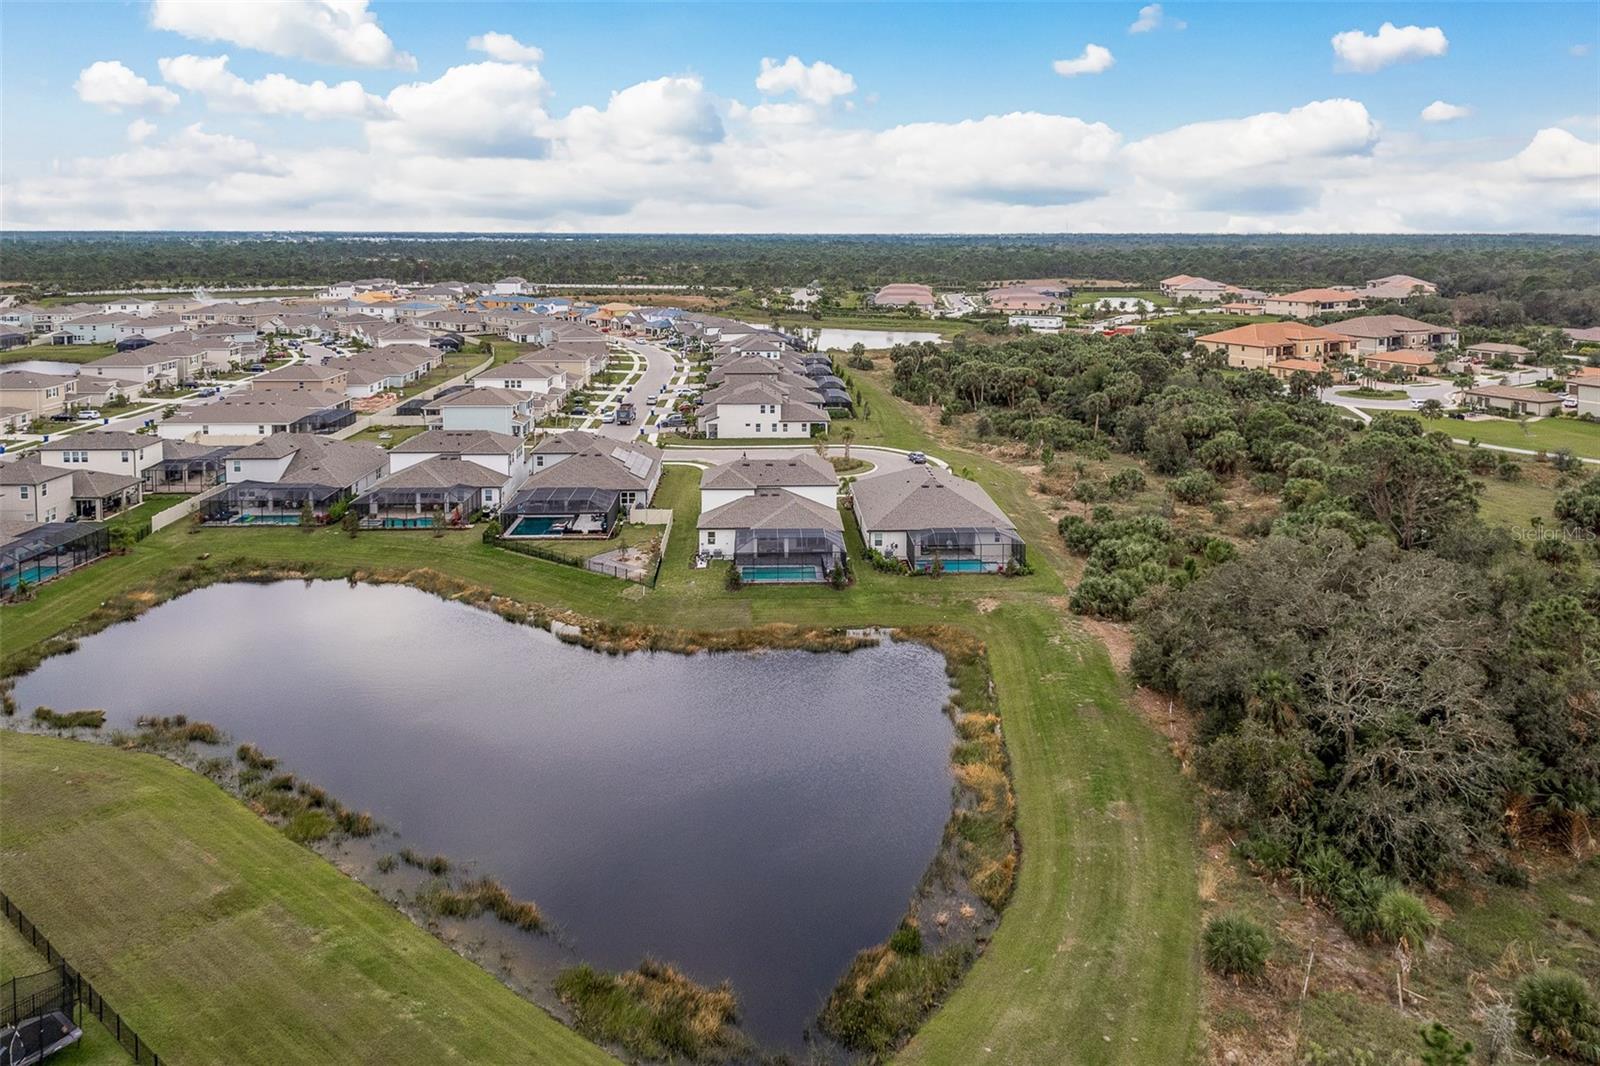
(1099, 936)
(223, 941)
(1543, 434)
(18, 958)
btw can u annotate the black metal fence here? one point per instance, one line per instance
(70, 984)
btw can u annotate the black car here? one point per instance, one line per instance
(672, 421)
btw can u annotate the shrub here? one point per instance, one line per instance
(733, 581)
(92, 719)
(1236, 947)
(907, 940)
(1125, 483)
(1197, 486)
(1403, 918)
(308, 826)
(1556, 1011)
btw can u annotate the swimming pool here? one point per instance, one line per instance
(531, 526)
(956, 566)
(33, 575)
(269, 519)
(776, 574)
(408, 523)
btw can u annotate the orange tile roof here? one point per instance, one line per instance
(1272, 334)
(1317, 296)
(1404, 358)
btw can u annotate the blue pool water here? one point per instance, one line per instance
(33, 575)
(269, 519)
(532, 527)
(760, 574)
(957, 566)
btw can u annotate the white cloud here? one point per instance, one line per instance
(1095, 59)
(1556, 155)
(665, 119)
(1318, 130)
(1363, 53)
(340, 32)
(505, 48)
(819, 83)
(1580, 50)
(139, 130)
(1151, 17)
(478, 109)
(275, 94)
(1439, 111)
(111, 85)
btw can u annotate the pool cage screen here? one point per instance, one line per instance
(966, 547)
(588, 510)
(454, 505)
(43, 552)
(821, 548)
(250, 501)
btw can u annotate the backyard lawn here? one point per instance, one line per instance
(397, 435)
(453, 364)
(1094, 962)
(18, 958)
(152, 505)
(57, 353)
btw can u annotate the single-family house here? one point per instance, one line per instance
(440, 490)
(807, 475)
(1406, 362)
(97, 328)
(756, 408)
(925, 514)
(106, 451)
(1584, 386)
(526, 374)
(271, 481)
(1258, 345)
(302, 377)
(149, 327)
(582, 485)
(505, 411)
(190, 466)
(40, 395)
(150, 367)
(1398, 287)
(1308, 303)
(1169, 284)
(246, 417)
(775, 536)
(32, 492)
(512, 286)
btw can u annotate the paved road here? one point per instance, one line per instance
(660, 369)
(1443, 391)
(880, 458)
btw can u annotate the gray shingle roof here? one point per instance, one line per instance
(772, 509)
(460, 442)
(924, 498)
(100, 440)
(746, 473)
(443, 472)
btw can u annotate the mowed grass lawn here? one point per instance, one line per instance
(98, 1047)
(57, 353)
(1548, 434)
(1095, 960)
(222, 941)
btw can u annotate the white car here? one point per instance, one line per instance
(1416, 404)
(1569, 401)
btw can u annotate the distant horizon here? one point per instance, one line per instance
(819, 234)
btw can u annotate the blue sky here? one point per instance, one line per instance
(903, 117)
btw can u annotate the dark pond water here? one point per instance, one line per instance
(754, 817)
(44, 366)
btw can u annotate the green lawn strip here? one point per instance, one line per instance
(453, 364)
(1516, 504)
(98, 1047)
(1103, 922)
(222, 941)
(152, 505)
(57, 353)
(1094, 961)
(1548, 434)
(397, 435)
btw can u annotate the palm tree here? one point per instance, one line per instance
(847, 434)
(1097, 403)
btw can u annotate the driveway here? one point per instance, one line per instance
(660, 370)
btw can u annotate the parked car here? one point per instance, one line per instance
(1416, 404)
(917, 457)
(609, 418)
(209, 390)
(63, 416)
(673, 421)
(581, 411)
(90, 413)
(1569, 401)
(257, 368)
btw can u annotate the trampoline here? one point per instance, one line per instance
(36, 1039)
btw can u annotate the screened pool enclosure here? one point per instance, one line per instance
(37, 554)
(562, 512)
(963, 549)
(787, 555)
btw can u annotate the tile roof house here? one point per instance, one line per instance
(901, 294)
(1513, 400)
(582, 484)
(1398, 287)
(1260, 344)
(1383, 333)
(272, 480)
(1307, 303)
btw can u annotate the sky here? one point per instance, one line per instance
(800, 118)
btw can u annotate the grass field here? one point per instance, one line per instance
(18, 958)
(148, 508)
(1094, 962)
(58, 353)
(222, 941)
(397, 435)
(1549, 434)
